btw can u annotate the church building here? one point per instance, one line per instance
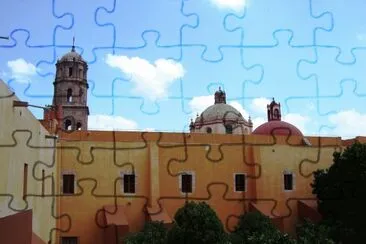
(67, 184)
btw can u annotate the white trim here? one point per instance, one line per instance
(193, 182)
(128, 172)
(245, 182)
(287, 172)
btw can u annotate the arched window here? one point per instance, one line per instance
(80, 73)
(68, 124)
(209, 130)
(78, 126)
(229, 129)
(276, 113)
(69, 95)
(70, 72)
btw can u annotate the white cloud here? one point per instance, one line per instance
(151, 80)
(236, 5)
(21, 70)
(240, 109)
(198, 104)
(297, 120)
(348, 123)
(110, 123)
(259, 105)
(149, 129)
(258, 121)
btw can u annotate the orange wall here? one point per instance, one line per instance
(213, 158)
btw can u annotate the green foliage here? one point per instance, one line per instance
(197, 223)
(255, 228)
(310, 233)
(341, 194)
(153, 232)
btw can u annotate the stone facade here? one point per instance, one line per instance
(70, 91)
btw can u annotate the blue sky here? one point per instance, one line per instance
(153, 65)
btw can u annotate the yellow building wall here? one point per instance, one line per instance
(22, 141)
(158, 158)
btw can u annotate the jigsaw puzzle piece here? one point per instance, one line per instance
(38, 18)
(29, 188)
(319, 124)
(143, 74)
(346, 24)
(22, 72)
(210, 75)
(209, 32)
(334, 114)
(285, 15)
(146, 16)
(328, 81)
(83, 20)
(279, 71)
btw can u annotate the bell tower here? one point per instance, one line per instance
(70, 90)
(274, 111)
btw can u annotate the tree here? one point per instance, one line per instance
(310, 233)
(197, 223)
(255, 228)
(341, 194)
(153, 232)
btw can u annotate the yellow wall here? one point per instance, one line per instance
(14, 154)
(213, 158)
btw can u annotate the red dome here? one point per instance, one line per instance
(277, 127)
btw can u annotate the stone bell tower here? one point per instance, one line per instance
(70, 90)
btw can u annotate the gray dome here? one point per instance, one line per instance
(221, 111)
(71, 56)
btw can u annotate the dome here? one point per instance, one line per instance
(221, 111)
(277, 127)
(72, 56)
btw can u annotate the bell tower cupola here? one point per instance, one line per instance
(274, 111)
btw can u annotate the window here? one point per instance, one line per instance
(186, 181)
(70, 72)
(288, 181)
(240, 182)
(25, 180)
(67, 124)
(208, 130)
(129, 183)
(69, 240)
(80, 73)
(68, 183)
(229, 129)
(43, 182)
(78, 126)
(69, 95)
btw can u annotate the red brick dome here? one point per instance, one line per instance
(277, 127)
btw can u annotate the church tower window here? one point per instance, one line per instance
(70, 72)
(69, 95)
(68, 124)
(78, 126)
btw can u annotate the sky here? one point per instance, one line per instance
(155, 64)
